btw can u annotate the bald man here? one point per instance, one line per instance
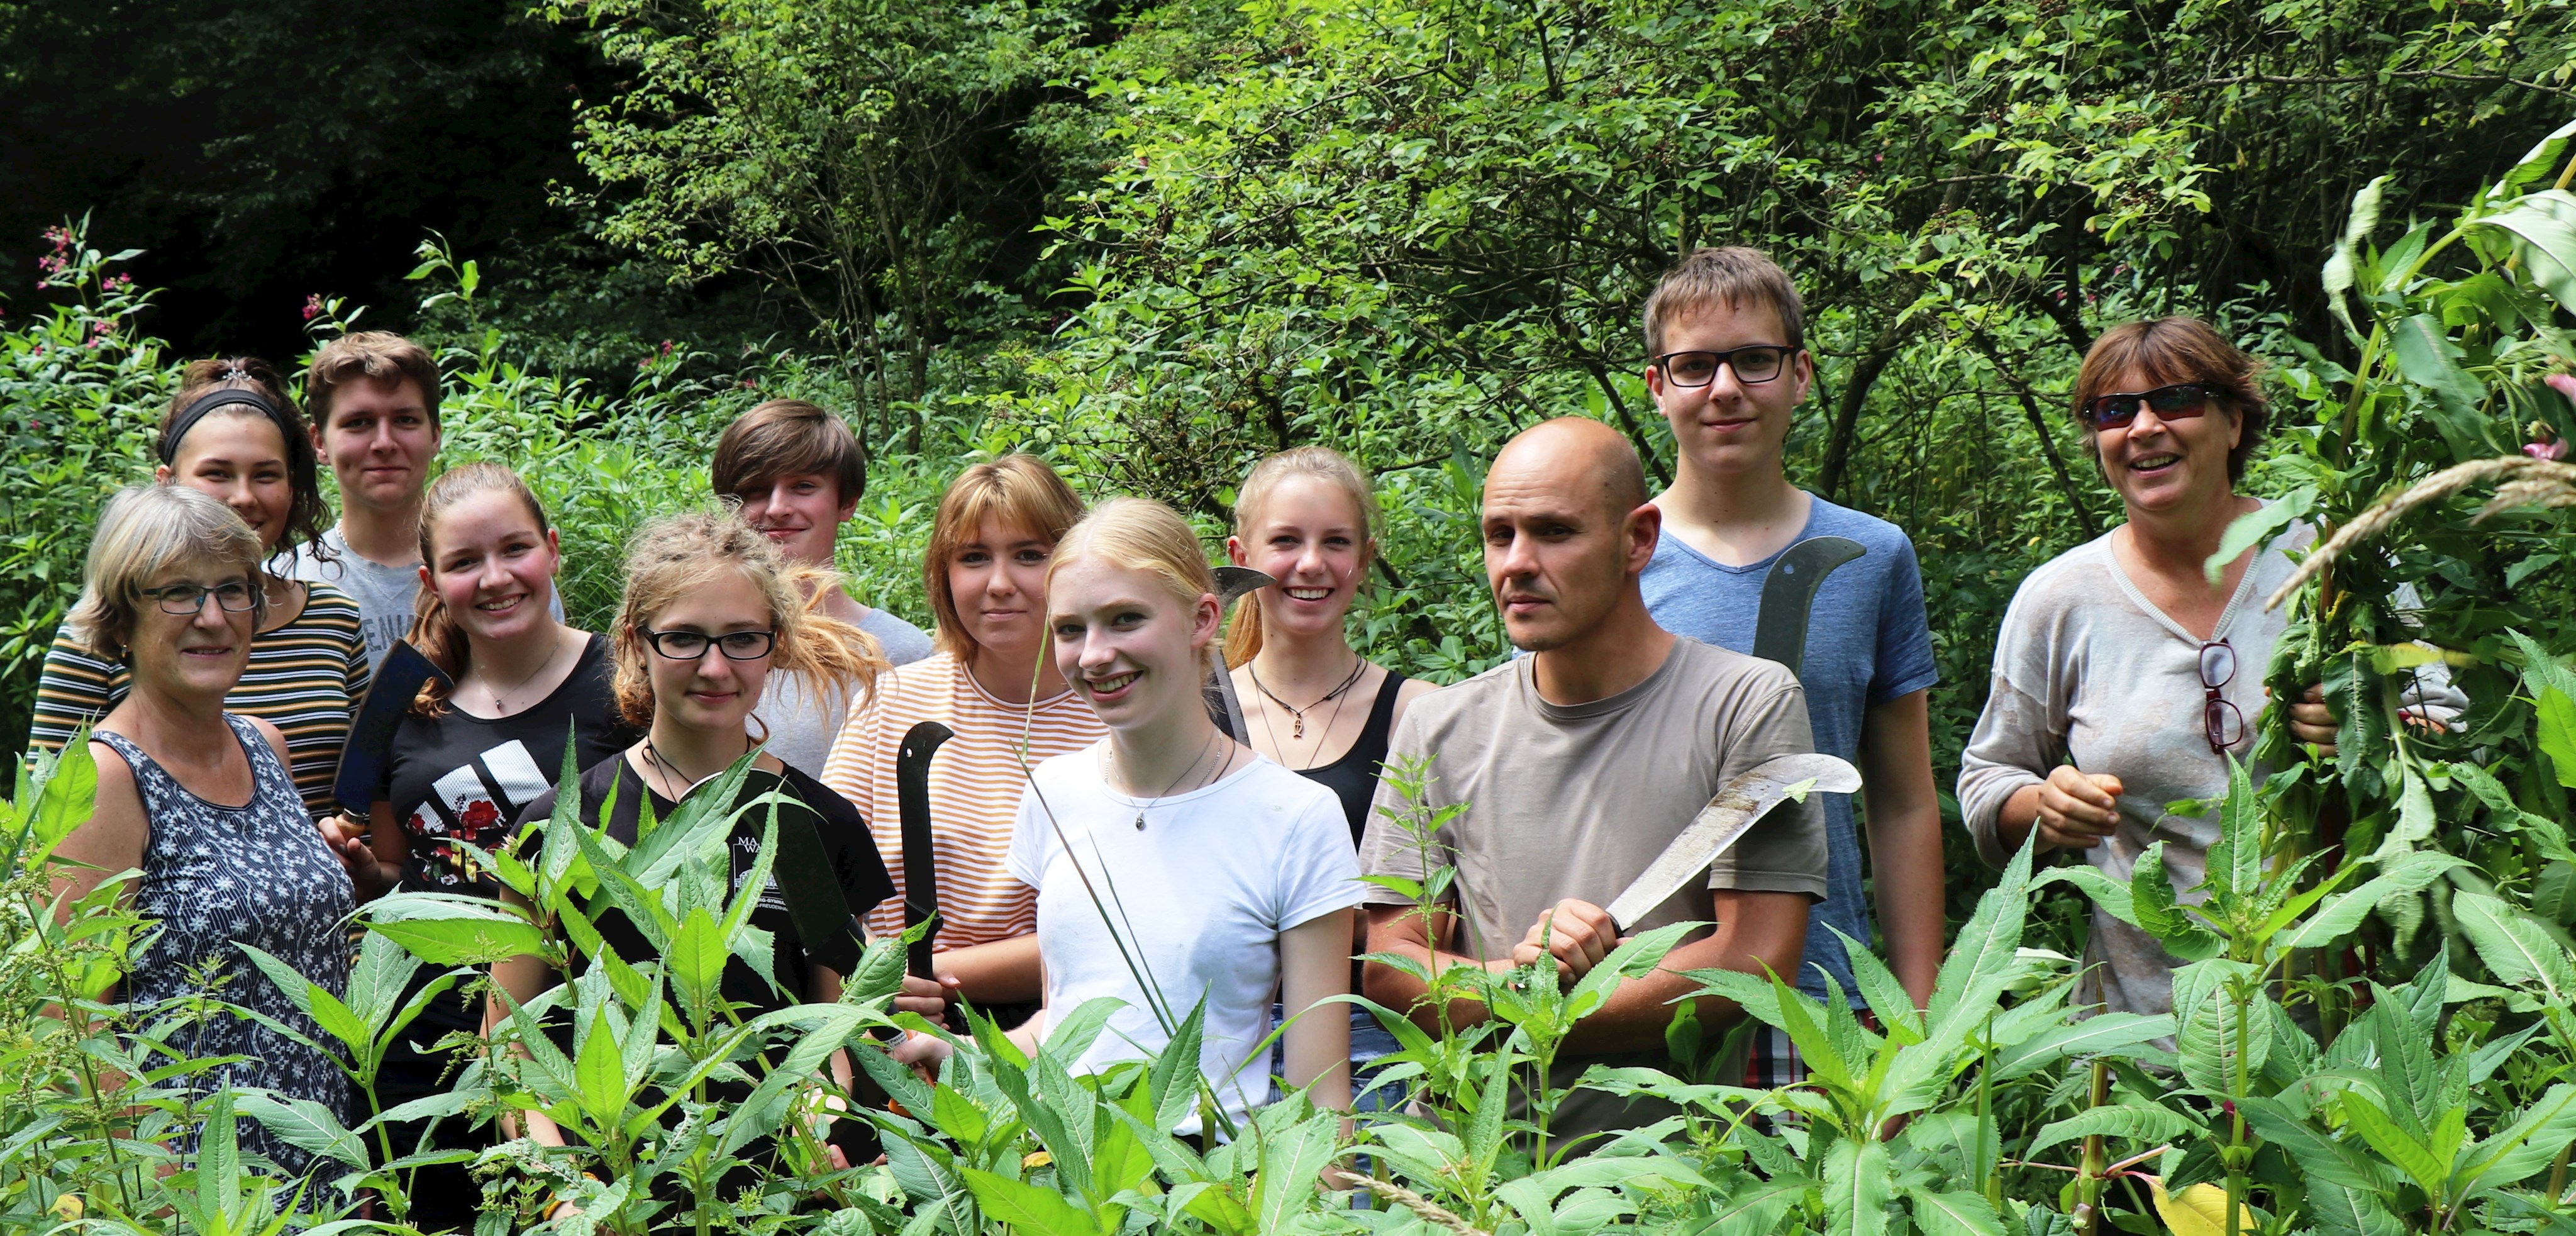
(1576, 765)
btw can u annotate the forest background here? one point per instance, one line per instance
(1157, 241)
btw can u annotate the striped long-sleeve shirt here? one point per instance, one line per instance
(975, 787)
(305, 678)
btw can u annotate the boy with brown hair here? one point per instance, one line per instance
(797, 472)
(1728, 366)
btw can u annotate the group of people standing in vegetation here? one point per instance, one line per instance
(1094, 820)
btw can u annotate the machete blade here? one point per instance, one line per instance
(1739, 804)
(1789, 592)
(379, 717)
(1232, 583)
(920, 864)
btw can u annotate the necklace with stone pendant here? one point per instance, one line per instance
(1191, 767)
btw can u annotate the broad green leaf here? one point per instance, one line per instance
(695, 962)
(305, 1125)
(1755, 1208)
(2343, 1210)
(2145, 1123)
(2397, 1146)
(2516, 949)
(1292, 1159)
(67, 800)
(2538, 162)
(2205, 1020)
(958, 1116)
(2558, 733)
(2318, 1155)
(2257, 526)
(2236, 858)
(1026, 1207)
(2342, 914)
(2113, 896)
(599, 1070)
(2415, 822)
(1858, 1186)
(453, 931)
(1954, 1214)
(2543, 226)
(2099, 1035)
(2527, 1146)
(2427, 356)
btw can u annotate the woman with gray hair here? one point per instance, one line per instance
(200, 800)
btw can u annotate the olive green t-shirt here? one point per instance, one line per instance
(1576, 801)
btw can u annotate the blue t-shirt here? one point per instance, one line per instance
(1867, 642)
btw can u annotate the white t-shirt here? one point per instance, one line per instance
(1200, 894)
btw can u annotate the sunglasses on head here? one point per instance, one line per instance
(2178, 402)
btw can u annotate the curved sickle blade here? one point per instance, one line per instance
(1232, 583)
(1739, 804)
(920, 863)
(1789, 592)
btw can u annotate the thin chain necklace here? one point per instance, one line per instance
(671, 773)
(1300, 713)
(1176, 781)
(500, 702)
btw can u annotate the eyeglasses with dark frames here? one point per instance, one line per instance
(2220, 721)
(1759, 362)
(693, 645)
(2179, 402)
(188, 600)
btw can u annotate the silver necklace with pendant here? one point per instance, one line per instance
(1186, 770)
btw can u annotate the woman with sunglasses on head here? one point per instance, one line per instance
(2124, 680)
(232, 432)
(197, 799)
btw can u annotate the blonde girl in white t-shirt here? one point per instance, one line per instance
(1167, 849)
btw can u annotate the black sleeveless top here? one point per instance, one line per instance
(1353, 778)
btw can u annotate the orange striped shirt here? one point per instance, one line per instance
(975, 786)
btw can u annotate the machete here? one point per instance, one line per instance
(920, 859)
(1779, 634)
(1789, 592)
(830, 934)
(1739, 804)
(379, 717)
(1232, 582)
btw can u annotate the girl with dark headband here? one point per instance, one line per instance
(233, 432)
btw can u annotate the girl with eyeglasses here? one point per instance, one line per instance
(233, 433)
(712, 609)
(473, 751)
(2124, 679)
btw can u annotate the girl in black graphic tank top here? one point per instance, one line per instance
(1308, 519)
(473, 753)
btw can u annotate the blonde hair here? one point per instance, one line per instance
(675, 556)
(1243, 633)
(1140, 534)
(145, 531)
(434, 630)
(1017, 489)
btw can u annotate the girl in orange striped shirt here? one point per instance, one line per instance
(992, 683)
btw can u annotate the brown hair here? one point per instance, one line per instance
(1243, 632)
(434, 630)
(374, 355)
(145, 530)
(1734, 276)
(787, 437)
(2174, 350)
(674, 556)
(1017, 489)
(1140, 534)
(306, 513)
